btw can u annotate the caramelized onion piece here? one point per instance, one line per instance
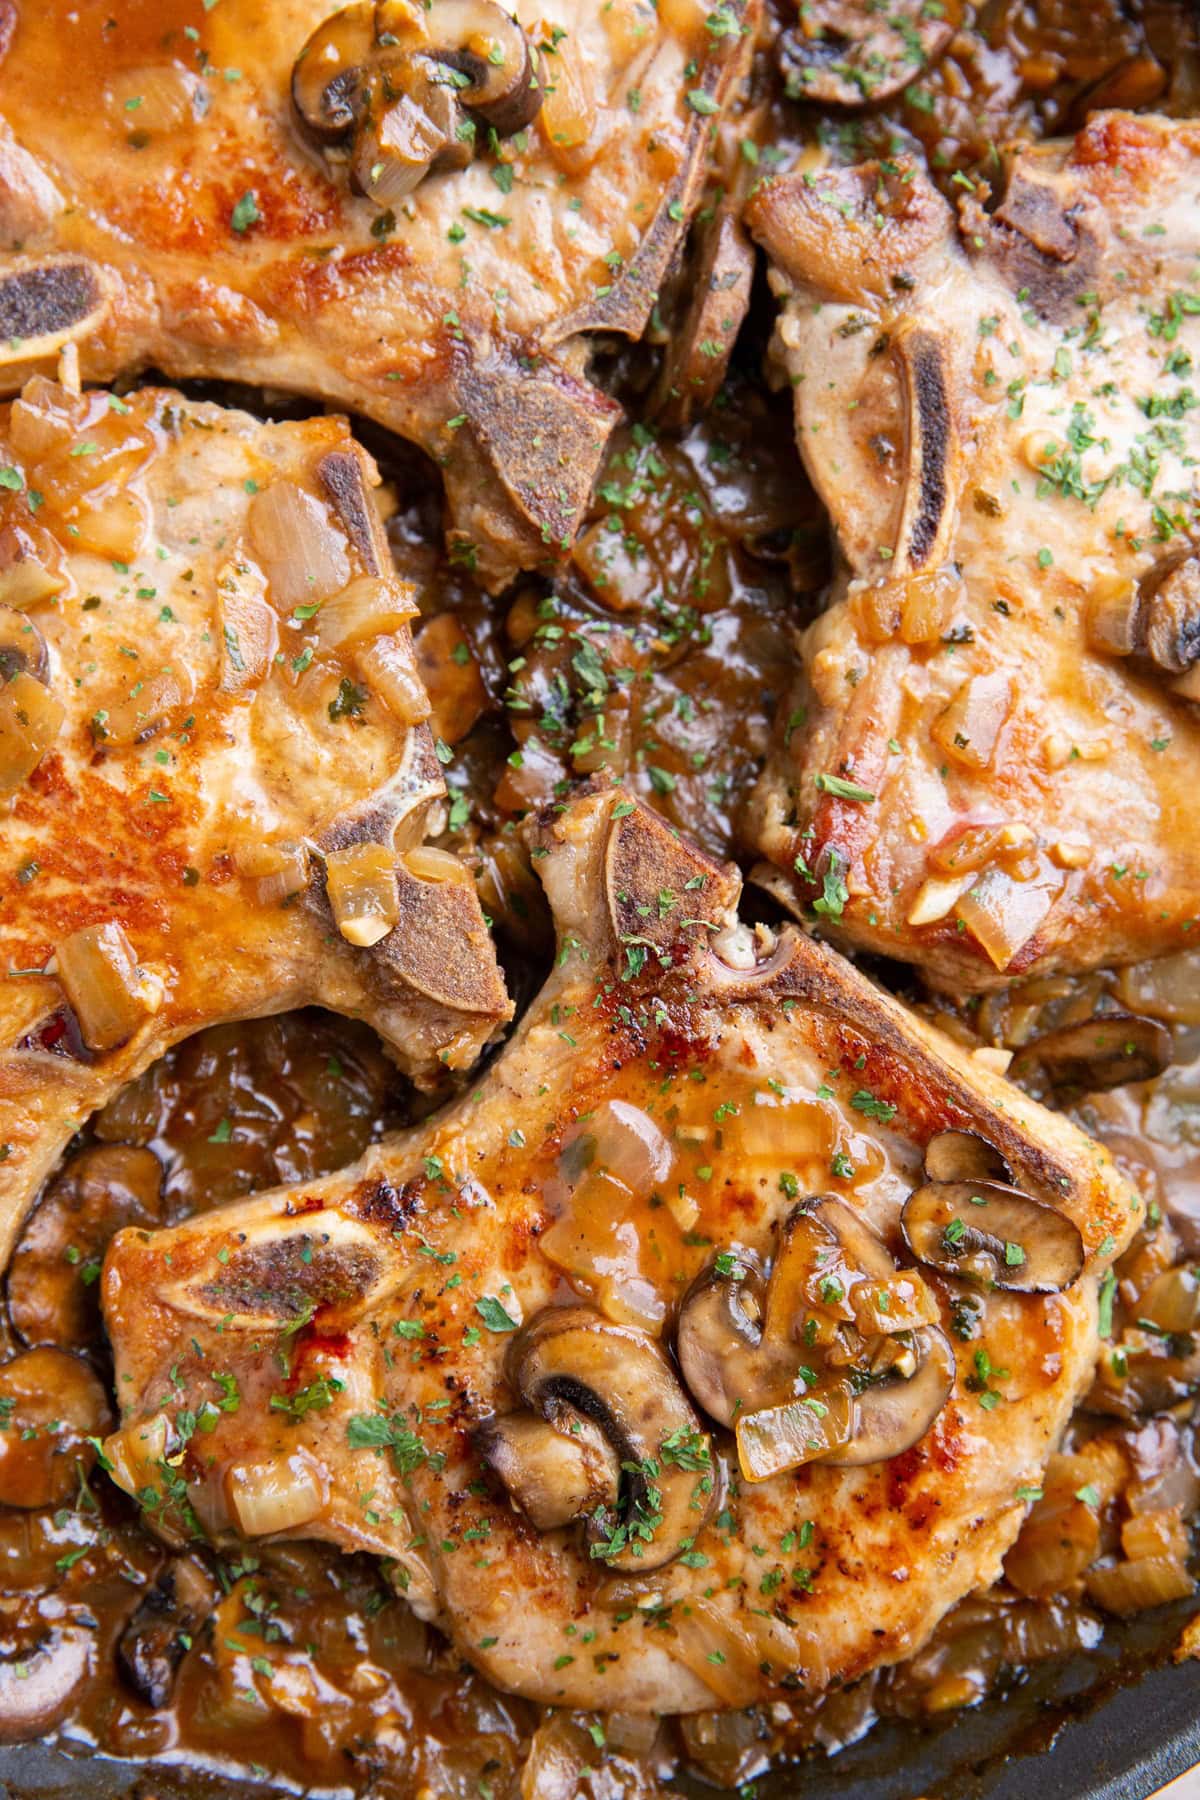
(367, 607)
(303, 554)
(109, 994)
(361, 884)
(992, 1234)
(619, 1379)
(278, 870)
(1104, 1052)
(30, 720)
(275, 1494)
(779, 1438)
(426, 863)
(1126, 1588)
(22, 647)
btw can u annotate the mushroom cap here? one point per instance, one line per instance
(896, 1410)
(1103, 1052)
(555, 1470)
(624, 1383)
(964, 1156)
(718, 1341)
(994, 1234)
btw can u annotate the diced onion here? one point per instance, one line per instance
(30, 720)
(159, 98)
(136, 1453)
(630, 1147)
(108, 992)
(387, 667)
(568, 115)
(25, 579)
(597, 1245)
(361, 884)
(1168, 988)
(302, 553)
(278, 870)
(1133, 1587)
(1159, 1533)
(137, 712)
(43, 418)
(1003, 914)
(451, 676)
(1057, 1542)
(424, 863)
(926, 605)
(1112, 617)
(369, 606)
(249, 626)
(1172, 1301)
(778, 1438)
(110, 525)
(970, 726)
(934, 899)
(903, 1303)
(279, 1495)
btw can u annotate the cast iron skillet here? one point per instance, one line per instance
(1114, 1725)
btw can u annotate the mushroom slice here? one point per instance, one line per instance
(152, 1645)
(556, 1470)
(619, 1379)
(843, 53)
(993, 1234)
(719, 1341)
(1104, 1052)
(904, 1395)
(37, 1685)
(396, 80)
(963, 1156)
(832, 1268)
(1170, 621)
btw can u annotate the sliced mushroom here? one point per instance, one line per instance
(1104, 1052)
(571, 1358)
(1145, 1372)
(1171, 618)
(405, 84)
(52, 1277)
(38, 1683)
(962, 1156)
(52, 1407)
(719, 1341)
(843, 53)
(156, 1637)
(556, 1470)
(993, 1234)
(904, 1395)
(866, 1416)
(22, 647)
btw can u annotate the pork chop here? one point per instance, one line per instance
(457, 1354)
(215, 774)
(423, 213)
(988, 763)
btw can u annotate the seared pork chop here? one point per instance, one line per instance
(989, 761)
(215, 777)
(502, 1350)
(422, 212)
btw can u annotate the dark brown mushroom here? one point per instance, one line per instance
(158, 1632)
(52, 1291)
(1145, 1372)
(866, 1415)
(52, 1407)
(570, 1359)
(908, 1384)
(38, 1681)
(962, 1156)
(1170, 620)
(22, 647)
(719, 1341)
(1103, 1052)
(843, 53)
(555, 1470)
(992, 1234)
(405, 87)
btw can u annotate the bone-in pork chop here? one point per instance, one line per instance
(988, 765)
(713, 1345)
(215, 775)
(422, 212)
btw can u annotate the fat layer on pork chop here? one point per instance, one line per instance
(988, 762)
(420, 211)
(215, 771)
(712, 1346)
